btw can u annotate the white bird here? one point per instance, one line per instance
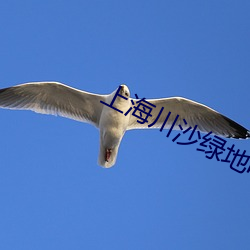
(58, 99)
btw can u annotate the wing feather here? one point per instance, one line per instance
(54, 98)
(194, 113)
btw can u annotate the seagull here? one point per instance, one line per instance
(110, 113)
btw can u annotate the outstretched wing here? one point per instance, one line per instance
(194, 113)
(55, 99)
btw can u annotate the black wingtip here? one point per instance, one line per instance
(248, 134)
(3, 90)
(239, 131)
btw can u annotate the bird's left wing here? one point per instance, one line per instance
(194, 113)
(54, 98)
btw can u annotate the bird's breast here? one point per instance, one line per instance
(113, 124)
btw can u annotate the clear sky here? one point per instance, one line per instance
(159, 195)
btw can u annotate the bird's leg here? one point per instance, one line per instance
(108, 154)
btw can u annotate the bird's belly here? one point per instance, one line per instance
(112, 127)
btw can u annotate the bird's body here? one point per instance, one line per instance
(113, 126)
(114, 120)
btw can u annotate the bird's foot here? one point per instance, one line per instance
(108, 154)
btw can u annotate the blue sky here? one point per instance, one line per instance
(159, 195)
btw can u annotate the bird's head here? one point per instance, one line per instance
(124, 91)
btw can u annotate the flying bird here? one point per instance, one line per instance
(55, 98)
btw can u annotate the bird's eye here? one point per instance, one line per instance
(126, 93)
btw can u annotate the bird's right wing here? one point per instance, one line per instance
(194, 113)
(55, 99)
